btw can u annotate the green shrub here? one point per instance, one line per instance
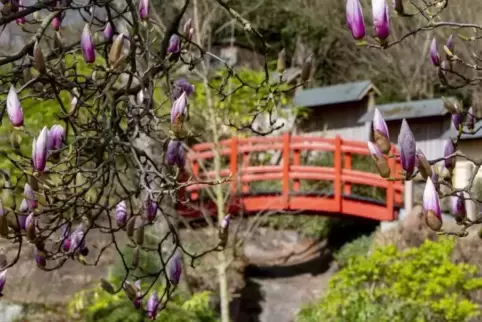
(96, 305)
(313, 226)
(99, 306)
(418, 284)
(359, 246)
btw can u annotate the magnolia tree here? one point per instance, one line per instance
(94, 170)
(452, 73)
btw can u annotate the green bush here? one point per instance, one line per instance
(359, 246)
(96, 305)
(418, 284)
(307, 225)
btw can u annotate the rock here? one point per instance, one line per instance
(10, 312)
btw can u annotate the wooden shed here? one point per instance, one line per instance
(335, 110)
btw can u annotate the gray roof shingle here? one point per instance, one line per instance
(328, 95)
(409, 110)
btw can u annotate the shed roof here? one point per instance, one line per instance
(409, 110)
(335, 94)
(452, 133)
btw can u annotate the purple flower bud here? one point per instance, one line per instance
(40, 258)
(56, 137)
(121, 214)
(181, 86)
(225, 222)
(449, 149)
(20, 21)
(457, 117)
(431, 206)
(56, 22)
(151, 210)
(14, 109)
(458, 207)
(144, 9)
(470, 119)
(443, 67)
(174, 45)
(87, 45)
(152, 305)
(174, 269)
(3, 280)
(22, 221)
(29, 195)
(77, 241)
(39, 150)
(380, 132)
(381, 18)
(354, 19)
(434, 56)
(175, 154)
(31, 227)
(188, 30)
(23, 206)
(108, 31)
(408, 149)
(435, 177)
(138, 298)
(450, 43)
(380, 161)
(179, 111)
(423, 165)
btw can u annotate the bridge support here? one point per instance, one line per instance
(408, 196)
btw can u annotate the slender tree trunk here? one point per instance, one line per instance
(223, 279)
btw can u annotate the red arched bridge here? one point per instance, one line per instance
(342, 185)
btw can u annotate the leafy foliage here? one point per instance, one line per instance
(97, 305)
(359, 246)
(308, 225)
(100, 306)
(419, 284)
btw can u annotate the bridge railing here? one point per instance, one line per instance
(291, 171)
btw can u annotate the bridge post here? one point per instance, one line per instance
(337, 156)
(285, 190)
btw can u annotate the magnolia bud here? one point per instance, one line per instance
(87, 45)
(135, 258)
(423, 165)
(407, 144)
(434, 55)
(354, 19)
(106, 286)
(3, 279)
(431, 206)
(281, 63)
(380, 161)
(30, 227)
(381, 19)
(380, 132)
(131, 224)
(115, 54)
(458, 207)
(38, 59)
(152, 305)
(3, 222)
(140, 234)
